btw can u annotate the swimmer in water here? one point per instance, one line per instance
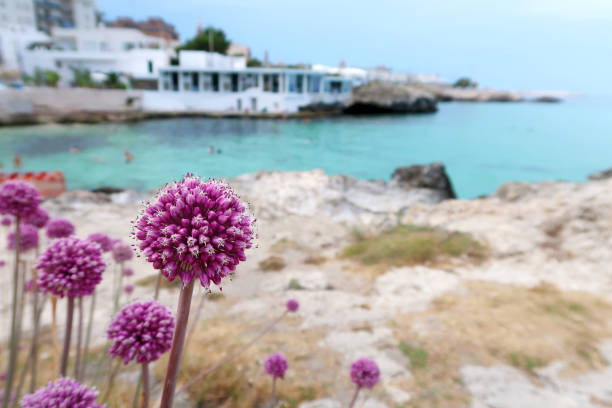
(17, 161)
(211, 150)
(74, 149)
(128, 156)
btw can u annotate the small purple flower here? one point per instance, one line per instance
(18, 198)
(2, 263)
(195, 229)
(127, 271)
(122, 252)
(141, 331)
(70, 267)
(276, 365)
(28, 236)
(6, 221)
(128, 289)
(292, 305)
(105, 242)
(365, 372)
(65, 392)
(38, 218)
(28, 285)
(59, 228)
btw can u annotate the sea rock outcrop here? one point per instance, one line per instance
(432, 176)
(386, 97)
(601, 175)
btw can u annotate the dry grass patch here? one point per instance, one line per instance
(406, 245)
(242, 382)
(493, 323)
(314, 260)
(284, 244)
(272, 264)
(150, 281)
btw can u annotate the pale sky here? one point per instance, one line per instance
(514, 44)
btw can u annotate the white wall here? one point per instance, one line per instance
(84, 13)
(17, 14)
(204, 59)
(134, 63)
(13, 43)
(109, 39)
(160, 101)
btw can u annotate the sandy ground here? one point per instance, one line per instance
(559, 233)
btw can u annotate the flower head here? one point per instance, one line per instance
(276, 365)
(38, 218)
(105, 242)
(141, 331)
(65, 392)
(195, 229)
(70, 267)
(365, 372)
(122, 252)
(59, 228)
(18, 198)
(128, 289)
(292, 305)
(28, 237)
(6, 221)
(127, 271)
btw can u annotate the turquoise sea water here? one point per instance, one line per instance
(482, 145)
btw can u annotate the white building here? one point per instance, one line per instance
(229, 86)
(124, 51)
(17, 15)
(85, 14)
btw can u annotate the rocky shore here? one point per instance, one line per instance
(527, 326)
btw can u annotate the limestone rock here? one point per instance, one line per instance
(385, 97)
(432, 176)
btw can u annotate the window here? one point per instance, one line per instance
(150, 66)
(271, 83)
(248, 81)
(206, 82)
(314, 83)
(296, 83)
(186, 81)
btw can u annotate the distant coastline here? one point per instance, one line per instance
(34, 106)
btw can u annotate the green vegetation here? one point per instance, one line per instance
(254, 62)
(411, 245)
(201, 42)
(465, 82)
(418, 356)
(295, 284)
(150, 281)
(525, 362)
(82, 78)
(112, 81)
(43, 78)
(272, 264)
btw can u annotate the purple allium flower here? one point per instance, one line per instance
(70, 267)
(59, 228)
(122, 252)
(141, 331)
(105, 242)
(6, 221)
(128, 289)
(195, 229)
(365, 372)
(65, 392)
(292, 305)
(276, 365)
(28, 236)
(38, 218)
(18, 198)
(127, 271)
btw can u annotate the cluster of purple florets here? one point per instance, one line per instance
(38, 218)
(122, 252)
(65, 392)
(128, 289)
(18, 198)
(28, 238)
(365, 373)
(105, 242)
(276, 365)
(70, 267)
(6, 221)
(141, 331)
(292, 305)
(59, 228)
(195, 229)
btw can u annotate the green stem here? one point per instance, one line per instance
(178, 341)
(92, 307)
(68, 333)
(14, 338)
(355, 395)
